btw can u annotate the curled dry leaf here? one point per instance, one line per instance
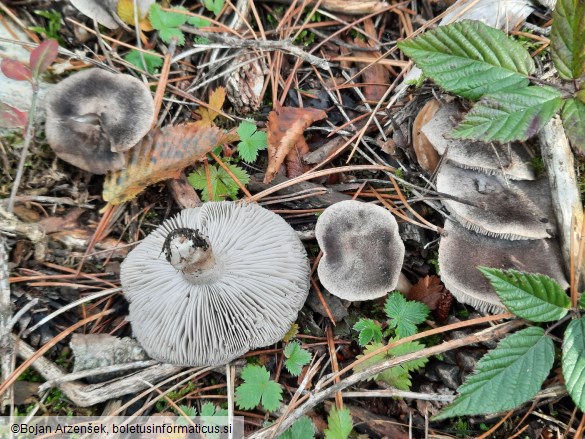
(208, 115)
(162, 154)
(286, 128)
(427, 156)
(430, 291)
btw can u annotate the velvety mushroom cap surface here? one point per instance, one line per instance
(494, 207)
(461, 251)
(511, 159)
(246, 299)
(362, 250)
(94, 115)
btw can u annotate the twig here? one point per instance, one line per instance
(318, 396)
(395, 393)
(6, 343)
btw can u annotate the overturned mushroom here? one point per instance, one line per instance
(214, 282)
(362, 251)
(94, 116)
(490, 205)
(461, 251)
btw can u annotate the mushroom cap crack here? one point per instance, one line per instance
(248, 298)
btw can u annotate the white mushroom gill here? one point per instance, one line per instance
(244, 294)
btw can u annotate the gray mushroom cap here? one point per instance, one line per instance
(94, 115)
(461, 251)
(489, 158)
(246, 297)
(492, 206)
(362, 250)
(101, 11)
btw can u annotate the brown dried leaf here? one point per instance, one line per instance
(285, 129)
(427, 156)
(160, 155)
(427, 290)
(216, 100)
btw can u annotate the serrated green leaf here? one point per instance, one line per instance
(511, 115)
(152, 62)
(210, 409)
(222, 184)
(470, 59)
(397, 376)
(214, 6)
(258, 388)
(533, 297)
(582, 301)
(567, 38)
(404, 314)
(573, 116)
(573, 361)
(198, 22)
(167, 24)
(296, 358)
(189, 411)
(505, 377)
(368, 330)
(339, 424)
(303, 428)
(252, 141)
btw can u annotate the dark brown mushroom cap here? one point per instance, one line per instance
(247, 299)
(493, 206)
(94, 115)
(461, 251)
(490, 158)
(362, 250)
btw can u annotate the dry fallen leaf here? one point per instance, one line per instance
(431, 291)
(125, 11)
(427, 156)
(216, 100)
(160, 155)
(286, 128)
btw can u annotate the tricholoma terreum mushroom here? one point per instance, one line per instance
(362, 251)
(214, 282)
(94, 116)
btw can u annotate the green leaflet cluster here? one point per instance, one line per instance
(481, 63)
(522, 361)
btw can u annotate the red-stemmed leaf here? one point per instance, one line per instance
(15, 70)
(11, 117)
(43, 56)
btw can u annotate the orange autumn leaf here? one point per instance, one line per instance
(208, 115)
(286, 140)
(160, 155)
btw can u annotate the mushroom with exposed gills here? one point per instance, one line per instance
(94, 116)
(214, 282)
(362, 251)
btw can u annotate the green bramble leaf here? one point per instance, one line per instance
(296, 358)
(397, 376)
(222, 185)
(519, 364)
(152, 62)
(339, 424)
(258, 388)
(567, 38)
(512, 115)
(573, 361)
(167, 24)
(533, 297)
(369, 330)
(573, 116)
(303, 428)
(251, 142)
(214, 6)
(404, 314)
(470, 59)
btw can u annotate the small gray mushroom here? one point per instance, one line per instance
(362, 251)
(94, 116)
(461, 251)
(494, 207)
(490, 158)
(214, 282)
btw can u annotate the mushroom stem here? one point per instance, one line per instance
(403, 284)
(189, 251)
